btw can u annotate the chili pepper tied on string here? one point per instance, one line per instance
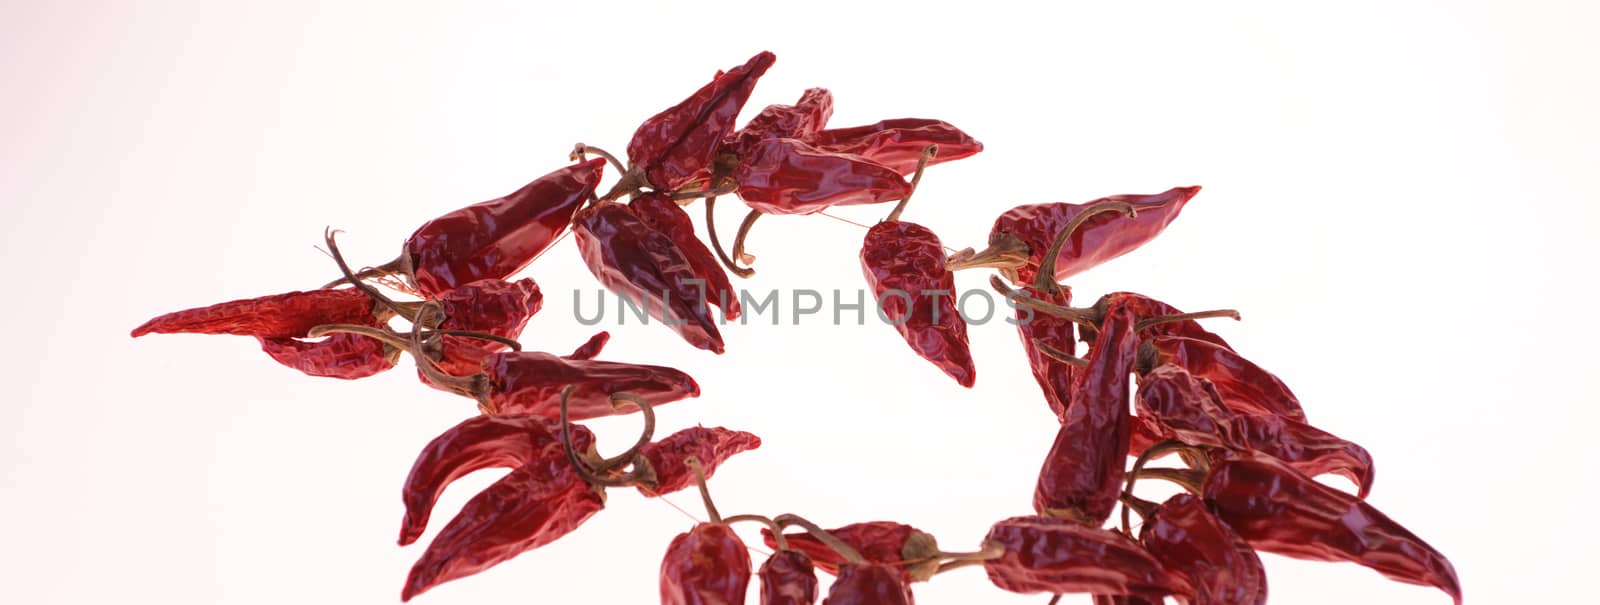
(1050, 555)
(707, 565)
(645, 266)
(678, 145)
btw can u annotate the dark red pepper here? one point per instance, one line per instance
(490, 306)
(868, 583)
(798, 121)
(1187, 539)
(591, 348)
(659, 212)
(646, 267)
(1279, 510)
(497, 238)
(531, 382)
(913, 550)
(711, 446)
(1049, 555)
(1042, 332)
(788, 176)
(707, 565)
(677, 145)
(898, 143)
(788, 578)
(344, 356)
(287, 315)
(1082, 475)
(904, 265)
(1245, 387)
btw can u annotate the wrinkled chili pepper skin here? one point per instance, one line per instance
(1055, 378)
(536, 504)
(659, 212)
(869, 583)
(286, 315)
(477, 443)
(788, 176)
(1308, 449)
(530, 382)
(898, 143)
(497, 238)
(788, 578)
(343, 356)
(1048, 555)
(591, 348)
(1146, 308)
(904, 264)
(711, 446)
(707, 565)
(1185, 407)
(1245, 387)
(878, 541)
(1101, 599)
(646, 267)
(491, 306)
(1098, 240)
(1187, 539)
(675, 146)
(1279, 510)
(1082, 475)
(798, 121)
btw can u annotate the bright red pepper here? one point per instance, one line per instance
(659, 212)
(868, 583)
(1279, 510)
(707, 565)
(913, 550)
(677, 145)
(788, 176)
(344, 356)
(497, 238)
(898, 143)
(788, 578)
(1049, 555)
(904, 265)
(647, 268)
(710, 446)
(1187, 539)
(287, 315)
(798, 121)
(1082, 475)
(1245, 387)
(591, 348)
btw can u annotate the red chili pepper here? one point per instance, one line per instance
(887, 542)
(898, 143)
(660, 213)
(490, 306)
(343, 356)
(287, 315)
(531, 382)
(904, 265)
(646, 267)
(539, 502)
(711, 446)
(868, 583)
(1049, 555)
(1187, 539)
(677, 145)
(1245, 387)
(788, 176)
(1038, 330)
(1184, 407)
(1022, 235)
(798, 121)
(707, 565)
(1082, 475)
(591, 349)
(497, 238)
(1306, 448)
(1279, 510)
(788, 578)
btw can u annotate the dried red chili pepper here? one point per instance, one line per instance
(788, 578)
(542, 500)
(1244, 386)
(287, 315)
(1187, 539)
(591, 348)
(1021, 235)
(898, 143)
(531, 382)
(1043, 336)
(659, 212)
(1048, 555)
(344, 356)
(497, 238)
(1279, 510)
(710, 446)
(1308, 449)
(708, 565)
(798, 121)
(645, 266)
(887, 542)
(788, 176)
(904, 265)
(1082, 475)
(491, 306)
(677, 145)
(868, 583)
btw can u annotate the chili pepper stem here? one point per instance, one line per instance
(1054, 599)
(1161, 319)
(705, 493)
(1082, 317)
(328, 234)
(991, 550)
(709, 192)
(1059, 355)
(389, 268)
(1006, 253)
(649, 431)
(387, 337)
(1187, 479)
(739, 238)
(1045, 278)
(850, 554)
(1145, 508)
(1150, 453)
(580, 149)
(777, 530)
(716, 245)
(514, 345)
(922, 164)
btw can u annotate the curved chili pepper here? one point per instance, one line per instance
(659, 212)
(477, 443)
(904, 265)
(677, 145)
(868, 583)
(887, 542)
(343, 356)
(1049, 555)
(591, 349)
(1082, 475)
(707, 565)
(788, 578)
(898, 143)
(497, 238)
(1279, 510)
(1187, 539)
(491, 306)
(286, 315)
(1244, 386)
(788, 176)
(798, 121)
(645, 266)
(1306, 448)
(530, 382)
(711, 446)
(1021, 236)
(1039, 329)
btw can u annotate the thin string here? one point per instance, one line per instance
(691, 517)
(845, 220)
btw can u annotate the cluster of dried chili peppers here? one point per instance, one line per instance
(1249, 455)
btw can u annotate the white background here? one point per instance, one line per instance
(1398, 196)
